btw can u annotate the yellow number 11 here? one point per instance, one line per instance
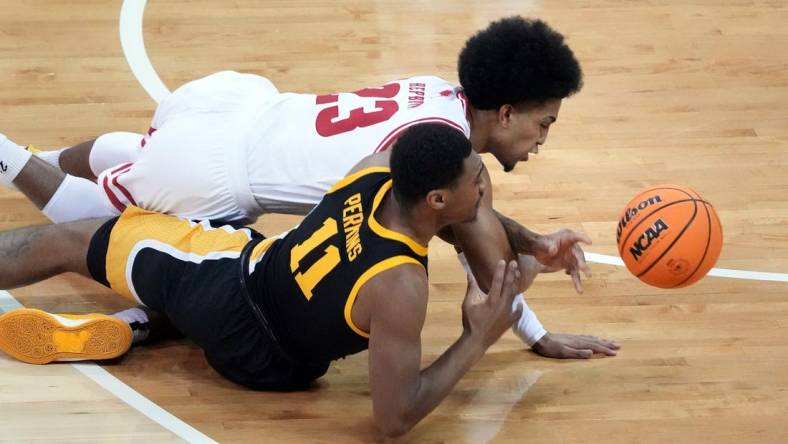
(308, 279)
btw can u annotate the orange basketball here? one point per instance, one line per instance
(669, 236)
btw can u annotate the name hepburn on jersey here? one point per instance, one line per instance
(416, 94)
(352, 216)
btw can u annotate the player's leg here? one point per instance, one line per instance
(107, 251)
(194, 163)
(89, 159)
(32, 254)
(29, 255)
(210, 94)
(61, 197)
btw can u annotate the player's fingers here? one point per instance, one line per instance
(580, 260)
(573, 237)
(474, 295)
(598, 347)
(512, 276)
(576, 353)
(577, 281)
(605, 342)
(582, 237)
(497, 282)
(609, 344)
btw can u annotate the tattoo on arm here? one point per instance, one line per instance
(14, 244)
(521, 239)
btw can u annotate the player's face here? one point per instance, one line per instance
(467, 195)
(520, 131)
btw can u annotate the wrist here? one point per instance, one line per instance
(527, 327)
(474, 343)
(542, 342)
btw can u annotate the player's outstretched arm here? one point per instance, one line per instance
(486, 240)
(402, 393)
(557, 251)
(493, 236)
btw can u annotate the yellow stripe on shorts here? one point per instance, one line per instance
(187, 240)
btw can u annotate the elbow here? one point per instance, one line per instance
(394, 422)
(394, 427)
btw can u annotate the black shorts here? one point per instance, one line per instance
(191, 273)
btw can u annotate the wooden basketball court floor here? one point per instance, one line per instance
(687, 92)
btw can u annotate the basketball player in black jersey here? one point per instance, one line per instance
(272, 314)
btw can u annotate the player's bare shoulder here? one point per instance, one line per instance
(371, 161)
(400, 289)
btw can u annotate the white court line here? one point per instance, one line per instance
(123, 392)
(133, 44)
(719, 272)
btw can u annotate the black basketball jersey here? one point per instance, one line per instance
(306, 282)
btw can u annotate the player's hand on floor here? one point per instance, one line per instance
(569, 346)
(561, 251)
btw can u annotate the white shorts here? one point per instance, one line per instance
(192, 161)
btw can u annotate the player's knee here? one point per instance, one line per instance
(72, 241)
(112, 149)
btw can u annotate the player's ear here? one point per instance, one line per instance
(437, 199)
(505, 114)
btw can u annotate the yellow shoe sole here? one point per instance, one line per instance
(36, 337)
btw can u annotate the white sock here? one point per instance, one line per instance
(13, 158)
(76, 199)
(51, 157)
(138, 321)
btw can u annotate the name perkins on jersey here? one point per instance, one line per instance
(352, 217)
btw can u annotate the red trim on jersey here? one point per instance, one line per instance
(151, 130)
(111, 196)
(464, 99)
(122, 166)
(396, 132)
(123, 189)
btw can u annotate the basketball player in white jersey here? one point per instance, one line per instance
(230, 147)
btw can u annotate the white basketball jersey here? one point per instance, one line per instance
(301, 144)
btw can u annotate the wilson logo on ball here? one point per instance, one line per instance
(644, 241)
(632, 212)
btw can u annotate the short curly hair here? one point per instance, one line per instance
(516, 61)
(426, 157)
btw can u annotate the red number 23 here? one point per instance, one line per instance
(328, 125)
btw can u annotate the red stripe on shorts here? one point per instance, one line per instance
(112, 198)
(116, 175)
